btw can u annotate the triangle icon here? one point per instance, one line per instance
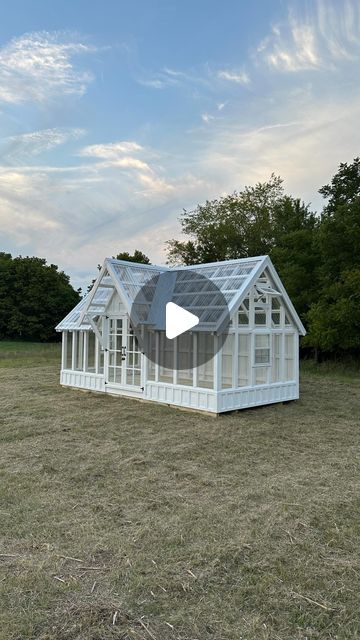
(178, 320)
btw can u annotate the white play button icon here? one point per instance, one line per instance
(178, 320)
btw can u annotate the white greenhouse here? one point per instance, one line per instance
(243, 357)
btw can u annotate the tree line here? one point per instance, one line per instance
(34, 297)
(317, 257)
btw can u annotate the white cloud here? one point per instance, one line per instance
(36, 142)
(76, 215)
(174, 77)
(316, 41)
(306, 139)
(207, 118)
(38, 67)
(110, 151)
(239, 77)
(154, 83)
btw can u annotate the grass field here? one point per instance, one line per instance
(133, 521)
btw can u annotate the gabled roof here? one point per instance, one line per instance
(144, 289)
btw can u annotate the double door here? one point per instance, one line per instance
(123, 355)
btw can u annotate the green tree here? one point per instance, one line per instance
(295, 230)
(256, 221)
(137, 256)
(34, 297)
(333, 320)
(234, 226)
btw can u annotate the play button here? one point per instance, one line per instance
(178, 320)
(185, 304)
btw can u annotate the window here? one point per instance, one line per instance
(243, 313)
(69, 342)
(91, 344)
(152, 351)
(276, 350)
(275, 312)
(133, 361)
(205, 351)
(79, 350)
(243, 360)
(185, 358)
(287, 320)
(115, 350)
(100, 358)
(166, 358)
(227, 362)
(262, 349)
(260, 315)
(289, 356)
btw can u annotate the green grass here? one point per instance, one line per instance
(338, 369)
(14, 353)
(134, 521)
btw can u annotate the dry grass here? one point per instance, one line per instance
(140, 522)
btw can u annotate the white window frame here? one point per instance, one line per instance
(262, 364)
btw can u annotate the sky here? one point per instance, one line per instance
(117, 115)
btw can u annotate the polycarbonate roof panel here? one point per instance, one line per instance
(138, 283)
(72, 319)
(145, 291)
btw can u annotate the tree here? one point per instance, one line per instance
(137, 256)
(256, 221)
(34, 297)
(295, 230)
(234, 226)
(333, 320)
(344, 187)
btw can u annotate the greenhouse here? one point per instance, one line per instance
(243, 351)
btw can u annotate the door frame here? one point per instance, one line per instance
(127, 352)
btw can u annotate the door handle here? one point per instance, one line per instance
(123, 352)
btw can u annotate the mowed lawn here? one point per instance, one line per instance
(128, 520)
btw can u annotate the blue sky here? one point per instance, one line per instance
(115, 116)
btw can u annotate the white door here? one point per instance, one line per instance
(124, 356)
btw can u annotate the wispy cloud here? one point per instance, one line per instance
(111, 150)
(36, 142)
(154, 83)
(168, 77)
(231, 75)
(117, 154)
(319, 40)
(38, 67)
(207, 117)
